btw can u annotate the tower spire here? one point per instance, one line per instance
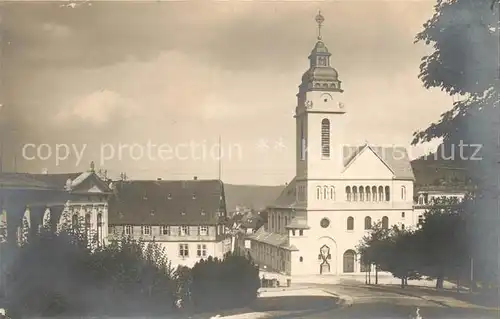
(319, 20)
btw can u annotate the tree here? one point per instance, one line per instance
(219, 284)
(123, 277)
(464, 35)
(373, 247)
(442, 239)
(403, 254)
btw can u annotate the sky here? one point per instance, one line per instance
(97, 79)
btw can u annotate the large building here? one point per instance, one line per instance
(338, 192)
(186, 218)
(29, 201)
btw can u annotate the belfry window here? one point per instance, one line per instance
(325, 138)
(348, 193)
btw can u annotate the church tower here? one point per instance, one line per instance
(320, 117)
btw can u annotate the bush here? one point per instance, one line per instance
(221, 284)
(54, 274)
(65, 273)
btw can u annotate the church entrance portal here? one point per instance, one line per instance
(349, 259)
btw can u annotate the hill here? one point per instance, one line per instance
(251, 196)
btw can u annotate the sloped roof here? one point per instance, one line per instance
(56, 180)
(273, 239)
(23, 181)
(193, 202)
(287, 196)
(395, 157)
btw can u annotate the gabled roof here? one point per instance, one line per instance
(394, 157)
(192, 202)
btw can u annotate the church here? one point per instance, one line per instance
(339, 191)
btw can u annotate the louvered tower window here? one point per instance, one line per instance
(325, 138)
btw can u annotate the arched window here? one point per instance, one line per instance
(350, 223)
(332, 193)
(368, 222)
(99, 228)
(74, 220)
(348, 193)
(385, 222)
(325, 192)
(325, 138)
(355, 193)
(403, 193)
(302, 141)
(361, 194)
(318, 192)
(380, 194)
(368, 194)
(87, 221)
(387, 194)
(374, 193)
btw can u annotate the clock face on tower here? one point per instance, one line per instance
(322, 61)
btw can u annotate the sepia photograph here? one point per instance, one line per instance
(250, 159)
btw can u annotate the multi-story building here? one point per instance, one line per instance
(29, 201)
(338, 192)
(187, 218)
(430, 195)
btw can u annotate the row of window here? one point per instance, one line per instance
(325, 192)
(368, 194)
(201, 250)
(167, 230)
(358, 193)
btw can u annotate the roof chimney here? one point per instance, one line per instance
(195, 178)
(45, 171)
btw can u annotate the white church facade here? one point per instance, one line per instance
(339, 191)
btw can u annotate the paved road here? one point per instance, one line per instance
(374, 302)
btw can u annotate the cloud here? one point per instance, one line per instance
(98, 108)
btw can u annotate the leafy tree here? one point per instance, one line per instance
(464, 35)
(403, 254)
(442, 234)
(373, 247)
(219, 284)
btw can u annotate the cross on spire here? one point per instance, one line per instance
(319, 20)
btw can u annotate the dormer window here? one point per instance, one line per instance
(169, 196)
(194, 196)
(145, 197)
(203, 212)
(152, 212)
(183, 213)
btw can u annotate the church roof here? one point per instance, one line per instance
(395, 157)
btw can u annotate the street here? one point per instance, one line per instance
(376, 302)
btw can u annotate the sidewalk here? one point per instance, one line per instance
(445, 297)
